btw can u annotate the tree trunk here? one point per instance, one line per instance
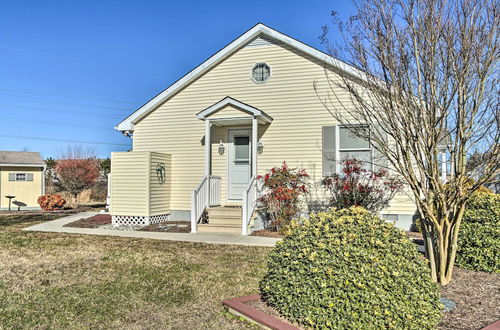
(441, 243)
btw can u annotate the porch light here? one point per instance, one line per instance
(260, 147)
(221, 148)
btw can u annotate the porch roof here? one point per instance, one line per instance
(248, 112)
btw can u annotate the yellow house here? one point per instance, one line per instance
(21, 178)
(247, 108)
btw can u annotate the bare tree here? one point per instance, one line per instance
(426, 83)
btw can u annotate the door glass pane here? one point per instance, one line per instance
(241, 148)
(349, 141)
(364, 156)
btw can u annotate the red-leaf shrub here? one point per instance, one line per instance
(77, 174)
(357, 186)
(51, 202)
(282, 188)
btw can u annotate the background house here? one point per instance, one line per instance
(22, 176)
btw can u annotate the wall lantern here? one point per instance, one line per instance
(260, 147)
(221, 148)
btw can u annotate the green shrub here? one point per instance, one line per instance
(350, 269)
(479, 235)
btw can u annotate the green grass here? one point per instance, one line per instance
(50, 280)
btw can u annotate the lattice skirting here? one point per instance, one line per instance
(138, 220)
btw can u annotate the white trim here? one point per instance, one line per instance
(443, 167)
(257, 31)
(253, 141)
(23, 165)
(42, 192)
(208, 146)
(235, 103)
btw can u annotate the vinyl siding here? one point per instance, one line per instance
(129, 183)
(26, 192)
(159, 202)
(288, 96)
(228, 112)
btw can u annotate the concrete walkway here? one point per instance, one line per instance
(56, 226)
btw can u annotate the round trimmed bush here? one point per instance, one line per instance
(479, 235)
(350, 269)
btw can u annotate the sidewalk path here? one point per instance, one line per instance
(56, 226)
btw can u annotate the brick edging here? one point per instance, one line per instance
(493, 326)
(239, 305)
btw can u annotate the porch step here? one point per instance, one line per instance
(227, 215)
(218, 228)
(223, 220)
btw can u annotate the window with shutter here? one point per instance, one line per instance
(351, 146)
(338, 144)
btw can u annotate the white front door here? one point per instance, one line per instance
(239, 163)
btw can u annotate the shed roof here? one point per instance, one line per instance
(21, 158)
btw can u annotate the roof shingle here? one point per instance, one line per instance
(21, 157)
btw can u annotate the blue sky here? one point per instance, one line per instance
(71, 70)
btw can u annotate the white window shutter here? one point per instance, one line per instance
(329, 150)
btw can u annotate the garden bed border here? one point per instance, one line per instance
(238, 307)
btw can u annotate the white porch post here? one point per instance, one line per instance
(443, 167)
(207, 147)
(255, 127)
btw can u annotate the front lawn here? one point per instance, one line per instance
(50, 280)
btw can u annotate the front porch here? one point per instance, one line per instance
(225, 202)
(144, 190)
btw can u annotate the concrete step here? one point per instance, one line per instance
(224, 212)
(235, 221)
(227, 229)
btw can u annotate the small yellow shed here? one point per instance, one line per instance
(140, 187)
(21, 179)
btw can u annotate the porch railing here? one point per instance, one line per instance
(205, 195)
(250, 196)
(214, 194)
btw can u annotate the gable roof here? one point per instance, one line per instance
(258, 30)
(21, 158)
(237, 104)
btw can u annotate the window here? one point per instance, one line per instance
(20, 176)
(351, 146)
(338, 144)
(261, 72)
(242, 149)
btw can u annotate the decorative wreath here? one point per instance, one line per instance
(160, 172)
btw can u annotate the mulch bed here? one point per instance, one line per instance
(105, 219)
(476, 294)
(267, 233)
(169, 227)
(93, 222)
